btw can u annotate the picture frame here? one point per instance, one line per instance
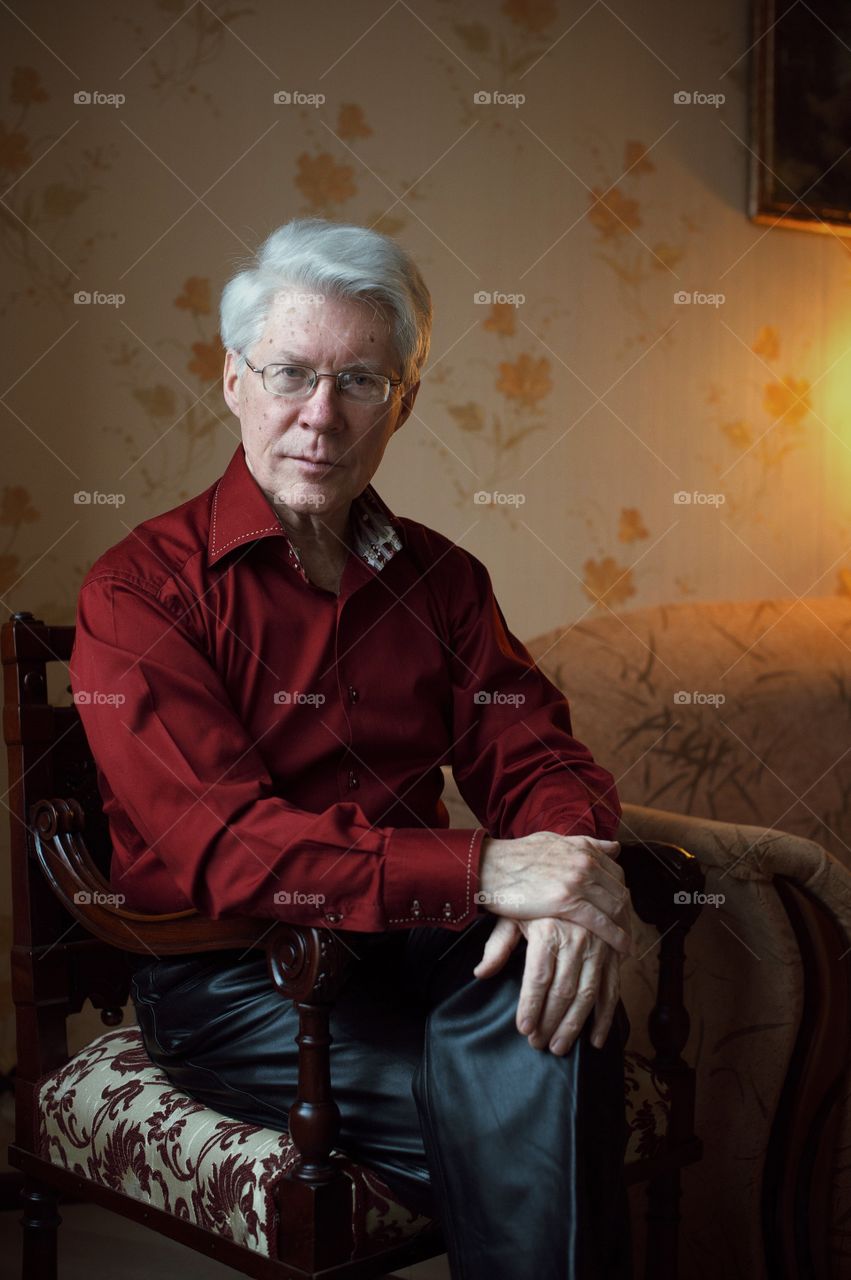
(800, 170)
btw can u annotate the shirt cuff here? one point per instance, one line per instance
(431, 877)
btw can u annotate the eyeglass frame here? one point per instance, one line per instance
(282, 395)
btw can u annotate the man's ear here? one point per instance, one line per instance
(406, 405)
(230, 383)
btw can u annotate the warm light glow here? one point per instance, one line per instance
(833, 406)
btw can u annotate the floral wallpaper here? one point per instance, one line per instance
(526, 453)
(635, 395)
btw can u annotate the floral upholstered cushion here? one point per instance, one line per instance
(648, 1108)
(112, 1116)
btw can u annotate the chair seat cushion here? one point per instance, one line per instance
(112, 1116)
(648, 1109)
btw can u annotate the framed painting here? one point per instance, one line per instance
(800, 173)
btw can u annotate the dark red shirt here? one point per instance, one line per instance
(266, 747)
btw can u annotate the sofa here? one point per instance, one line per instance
(727, 726)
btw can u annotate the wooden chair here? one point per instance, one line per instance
(71, 943)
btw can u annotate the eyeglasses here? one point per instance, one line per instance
(300, 379)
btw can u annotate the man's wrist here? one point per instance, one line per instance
(488, 879)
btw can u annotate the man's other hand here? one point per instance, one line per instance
(568, 972)
(571, 878)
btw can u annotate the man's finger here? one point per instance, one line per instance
(612, 899)
(586, 996)
(596, 921)
(610, 866)
(570, 957)
(501, 942)
(607, 1002)
(537, 975)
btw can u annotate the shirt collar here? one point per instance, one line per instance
(241, 513)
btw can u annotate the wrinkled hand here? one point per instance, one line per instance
(568, 972)
(547, 875)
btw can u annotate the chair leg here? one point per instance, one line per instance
(663, 1222)
(39, 1223)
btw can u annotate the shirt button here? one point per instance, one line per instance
(416, 909)
(333, 917)
(353, 693)
(354, 780)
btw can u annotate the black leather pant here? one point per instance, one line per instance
(517, 1152)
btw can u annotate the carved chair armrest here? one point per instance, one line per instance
(663, 880)
(307, 964)
(57, 827)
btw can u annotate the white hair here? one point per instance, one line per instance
(343, 261)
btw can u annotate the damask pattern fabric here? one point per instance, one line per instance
(111, 1116)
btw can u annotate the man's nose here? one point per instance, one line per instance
(323, 406)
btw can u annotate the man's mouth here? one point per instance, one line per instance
(310, 465)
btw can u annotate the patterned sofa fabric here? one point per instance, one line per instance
(736, 710)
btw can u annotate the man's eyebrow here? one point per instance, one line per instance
(282, 357)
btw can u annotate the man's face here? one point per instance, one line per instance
(277, 431)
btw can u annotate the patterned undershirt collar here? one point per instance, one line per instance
(376, 541)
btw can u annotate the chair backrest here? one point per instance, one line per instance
(56, 963)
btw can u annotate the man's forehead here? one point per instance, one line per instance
(298, 323)
(319, 311)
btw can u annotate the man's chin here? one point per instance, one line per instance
(302, 493)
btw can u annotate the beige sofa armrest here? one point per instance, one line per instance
(747, 852)
(761, 870)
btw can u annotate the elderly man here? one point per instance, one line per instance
(296, 663)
